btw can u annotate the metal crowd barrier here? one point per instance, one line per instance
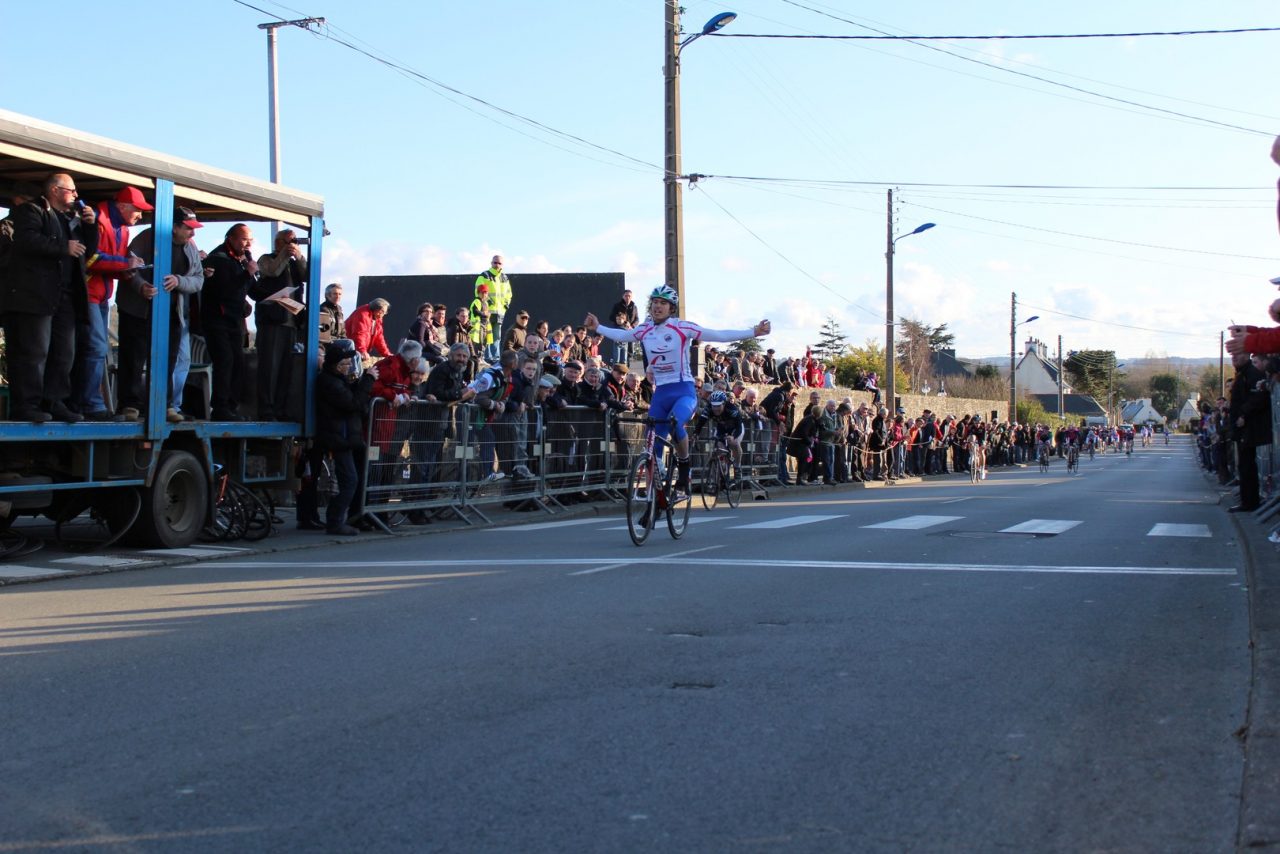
(415, 459)
(458, 458)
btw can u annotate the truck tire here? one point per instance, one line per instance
(175, 506)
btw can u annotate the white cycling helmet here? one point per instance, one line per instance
(665, 292)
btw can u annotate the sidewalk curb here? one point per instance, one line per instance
(1259, 828)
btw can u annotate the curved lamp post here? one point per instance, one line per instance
(1013, 346)
(674, 255)
(891, 381)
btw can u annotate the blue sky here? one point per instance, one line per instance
(417, 181)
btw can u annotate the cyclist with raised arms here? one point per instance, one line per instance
(667, 341)
(728, 421)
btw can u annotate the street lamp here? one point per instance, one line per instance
(1013, 347)
(674, 254)
(891, 382)
(1111, 390)
(273, 98)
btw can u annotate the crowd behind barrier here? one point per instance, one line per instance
(429, 457)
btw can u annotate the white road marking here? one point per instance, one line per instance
(101, 560)
(31, 572)
(956, 500)
(962, 567)
(563, 523)
(693, 520)
(753, 562)
(1041, 526)
(1173, 529)
(662, 559)
(786, 522)
(188, 552)
(913, 523)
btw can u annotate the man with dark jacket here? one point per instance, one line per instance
(332, 323)
(779, 410)
(44, 298)
(341, 402)
(223, 308)
(283, 271)
(1250, 427)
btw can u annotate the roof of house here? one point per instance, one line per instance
(1072, 404)
(1050, 367)
(945, 364)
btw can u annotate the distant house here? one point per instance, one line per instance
(1074, 406)
(1139, 411)
(1190, 410)
(944, 364)
(1037, 374)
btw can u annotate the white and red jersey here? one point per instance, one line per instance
(667, 345)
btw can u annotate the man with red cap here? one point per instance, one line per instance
(112, 261)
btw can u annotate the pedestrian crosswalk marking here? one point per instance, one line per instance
(189, 552)
(1172, 529)
(693, 520)
(914, 523)
(563, 523)
(1041, 526)
(787, 522)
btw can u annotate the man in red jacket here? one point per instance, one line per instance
(112, 261)
(364, 328)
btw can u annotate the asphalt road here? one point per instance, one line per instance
(1046, 663)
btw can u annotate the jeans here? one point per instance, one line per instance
(93, 361)
(181, 367)
(493, 350)
(783, 475)
(345, 468)
(621, 353)
(828, 462)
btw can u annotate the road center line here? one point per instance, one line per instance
(658, 559)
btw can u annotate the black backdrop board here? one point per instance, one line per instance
(557, 298)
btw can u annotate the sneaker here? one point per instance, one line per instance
(130, 413)
(173, 416)
(1274, 536)
(101, 415)
(342, 531)
(494, 477)
(523, 472)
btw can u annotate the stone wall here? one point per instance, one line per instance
(914, 404)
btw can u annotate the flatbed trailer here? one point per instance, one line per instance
(151, 481)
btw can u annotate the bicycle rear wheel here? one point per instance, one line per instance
(711, 484)
(641, 499)
(974, 470)
(732, 484)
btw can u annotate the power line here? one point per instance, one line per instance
(407, 71)
(731, 35)
(791, 263)
(1103, 239)
(1114, 323)
(1068, 86)
(885, 184)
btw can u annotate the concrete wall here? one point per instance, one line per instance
(914, 404)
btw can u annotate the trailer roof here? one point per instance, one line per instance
(31, 148)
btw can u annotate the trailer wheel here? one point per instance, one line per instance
(174, 507)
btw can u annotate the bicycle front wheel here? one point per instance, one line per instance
(640, 499)
(732, 484)
(711, 484)
(677, 511)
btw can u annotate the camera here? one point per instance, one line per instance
(302, 241)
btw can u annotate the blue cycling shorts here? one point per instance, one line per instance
(678, 399)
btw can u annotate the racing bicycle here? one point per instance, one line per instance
(721, 477)
(1073, 460)
(651, 488)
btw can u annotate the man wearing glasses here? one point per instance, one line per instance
(44, 298)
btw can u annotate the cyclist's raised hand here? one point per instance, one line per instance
(763, 328)
(591, 322)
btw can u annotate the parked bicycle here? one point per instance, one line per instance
(651, 489)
